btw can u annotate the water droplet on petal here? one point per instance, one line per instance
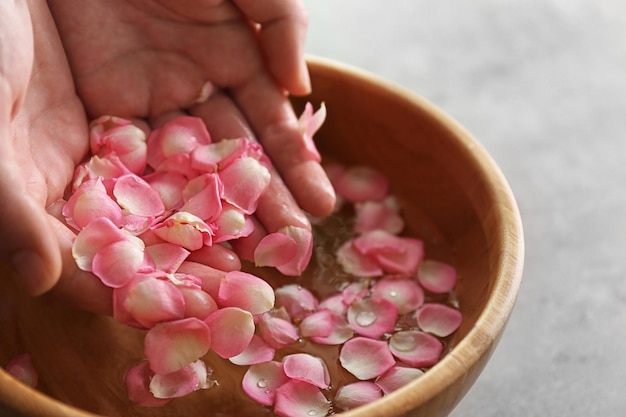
(365, 318)
(393, 293)
(261, 383)
(312, 412)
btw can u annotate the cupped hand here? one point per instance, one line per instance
(149, 58)
(43, 135)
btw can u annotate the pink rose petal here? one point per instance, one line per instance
(170, 187)
(137, 196)
(173, 345)
(318, 324)
(406, 294)
(356, 394)
(304, 240)
(297, 398)
(231, 331)
(436, 277)
(310, 123)
(231, 224)
(297, 300)
(137, 381)
(373, 215)
(335, 304)
(184, 229)
(276, 331)
(180, 135)
(397, 377)
(396, 255)
(180, 383)
(355, 263)
(146, 301)
(217, 155)
(257, 351)
(246, 291)
(275, 249)
(119, 136)
(166, 256)
(307, 368)
(438, 319)
(21, 368)
(366, 358)
(340, 333)
(355, 291)
(96, 235)
(118, 262)
(416, 348)
(245, 180)
(90, 202)
(261, 381)
(360, 183)
(201, 197)
(372, 317)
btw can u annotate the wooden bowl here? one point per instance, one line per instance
(453, 196)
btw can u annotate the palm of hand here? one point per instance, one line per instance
(146, 59)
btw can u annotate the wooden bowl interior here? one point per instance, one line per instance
(452, 196)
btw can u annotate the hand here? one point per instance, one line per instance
(148, 59)
(43, 135)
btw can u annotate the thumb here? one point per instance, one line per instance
(27, 241)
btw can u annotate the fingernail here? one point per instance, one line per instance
(30, 268)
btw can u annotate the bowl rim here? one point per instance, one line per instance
(479, 341)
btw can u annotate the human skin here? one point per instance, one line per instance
(144, 60)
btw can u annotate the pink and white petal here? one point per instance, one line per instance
(373, 215)
(261, 381)
(335, 304)
(121, 137)
(360, 183)
(355, 263)
(246, 291)
(399, 255)
(146, 301)
(309, 124)
(167, 257)
(118, 262)
(170, 187)
(89, 202)
(198, 303)
(438, 319)
(437, 277)
(372, 317)
(397, 377)
(218, 155)
(232, 223)
(201, 197)
(178, 136)
(231, 331)
(137, 196)
(416, 348)
(245, 180)
(137, 381)
(304, 240)
(96, 235)
(297, 398)
(184, 229)
(307, 368)
(405, 293)
(277, 332)
(21, 368)
(106, 167)
(356, 394)
(297, 300)
(366, 358)
(355, 291)
(257, 351)
(340, 333)
(173, 345)
(180, 383)
(275, 249)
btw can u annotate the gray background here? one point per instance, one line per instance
(542, 85)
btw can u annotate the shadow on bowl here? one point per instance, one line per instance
(453, 196)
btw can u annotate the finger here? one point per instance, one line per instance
(272, 117)
(282, 35)
(277, 207)
(27, 243)
(77, 288)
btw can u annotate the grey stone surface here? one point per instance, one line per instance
(542, 85)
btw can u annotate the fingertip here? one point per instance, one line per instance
(38, 273)
(312, 188)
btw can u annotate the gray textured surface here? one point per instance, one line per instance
(542, 85)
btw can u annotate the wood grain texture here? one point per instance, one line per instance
(452, 195)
